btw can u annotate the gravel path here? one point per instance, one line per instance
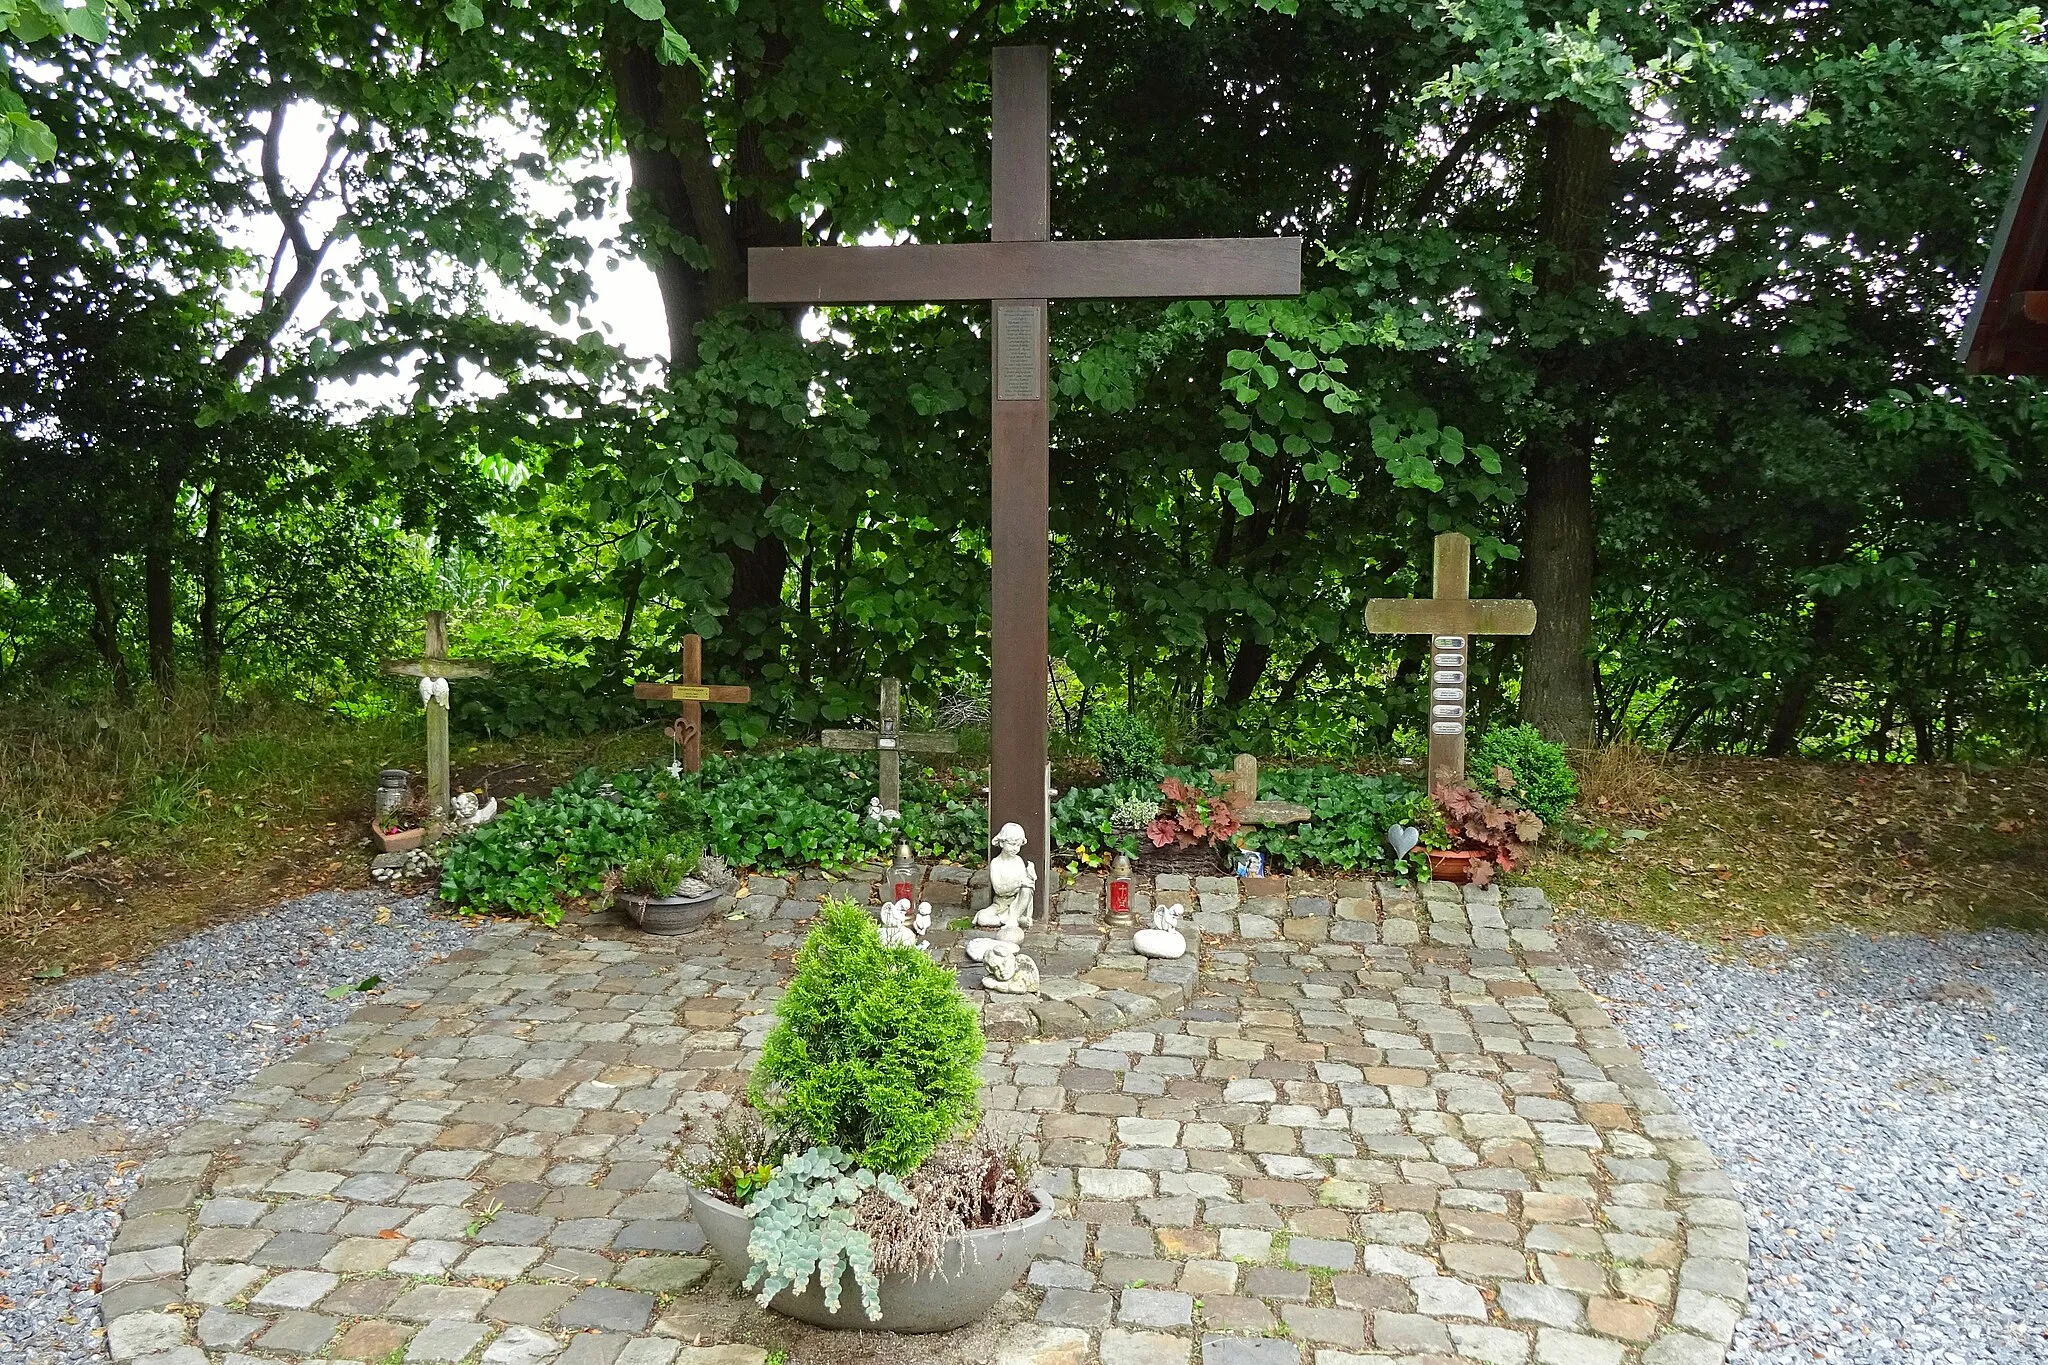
(1884, 1105)
(94, 1070)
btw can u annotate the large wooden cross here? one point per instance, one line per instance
(1018, 272)
(891, 741)
(435, 663)
(688, 730)
(1453, 616)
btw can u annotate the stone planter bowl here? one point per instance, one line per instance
(975, 1269)
(671, 914)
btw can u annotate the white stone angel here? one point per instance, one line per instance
(1011, 973)
(1014, 884)
(1163, 939)
(896, 925)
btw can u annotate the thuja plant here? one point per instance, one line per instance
(803, 1226)
(874, 1049)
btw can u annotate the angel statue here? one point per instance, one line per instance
(1014, 884)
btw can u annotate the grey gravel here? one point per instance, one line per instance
(1883, 1104)
(96, 1070)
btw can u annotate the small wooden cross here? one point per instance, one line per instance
(435, 663)
(1243, 778)
(891, 741)
(1453, 616)
(688, 731)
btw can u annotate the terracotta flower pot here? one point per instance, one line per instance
(403, 841)
(1453, 865)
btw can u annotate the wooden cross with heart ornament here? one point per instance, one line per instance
(688, 730)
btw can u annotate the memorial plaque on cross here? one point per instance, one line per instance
(891, 742)
(1017, 273)
(1451, 616)
(688, 730)
(435, 665)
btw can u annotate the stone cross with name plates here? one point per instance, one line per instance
(1451, 616)
(1016, 274)
(891, 742)
(435, 667)
(688, 730)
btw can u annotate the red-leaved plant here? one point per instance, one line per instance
(1500, 828)
(1192, 816)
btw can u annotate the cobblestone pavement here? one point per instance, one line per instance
(1384, 1126)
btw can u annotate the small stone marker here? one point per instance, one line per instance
(891, 741)
(435, 663)
(688, 731)
(1452, 616)
(1244, 797)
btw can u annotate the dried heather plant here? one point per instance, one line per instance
(965, 1184)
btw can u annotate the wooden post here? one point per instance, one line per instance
(1451, 616)
(435, 663)
(890, 742)
(688, 730)
(437, 721)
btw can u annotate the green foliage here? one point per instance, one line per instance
(1543, 778)
(808, 807)
(539, 854)
(659, 869)
(1095, 821)
(523, 698)
(874, 1049)
(803, 1226)
(1126, 746)
(1352, 816)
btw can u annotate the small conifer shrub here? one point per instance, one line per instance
(1543, 777)
(874, 1049)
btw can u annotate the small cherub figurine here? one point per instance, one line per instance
(896, 926)
(1163, 939)
(1014, 884)
(1010, 972)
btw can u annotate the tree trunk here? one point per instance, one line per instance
(1790, 714)
(679, 184)
(1576, 179)
(209, 600)
(160, 617)
(106, 634)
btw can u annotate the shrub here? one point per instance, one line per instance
(874, 1050)
(1128, 749)
(660, 868)
(537, 855)
(1543, 778)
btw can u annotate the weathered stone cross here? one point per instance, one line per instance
(688, 730)
(1453, 616)
(435, 663)
(892, 741)
(1020, 270)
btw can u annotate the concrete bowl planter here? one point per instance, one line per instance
(672, 914)
(975, 1269)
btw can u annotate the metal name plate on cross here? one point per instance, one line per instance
(1017, 273)
(688, 729)
(891, 742)
(435, 663)
(1451, 616)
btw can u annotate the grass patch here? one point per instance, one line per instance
(122, 829)
(1740, 847)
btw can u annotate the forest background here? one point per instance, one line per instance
(1656, 300)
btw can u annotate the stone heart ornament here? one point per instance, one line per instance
(1402, 839)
